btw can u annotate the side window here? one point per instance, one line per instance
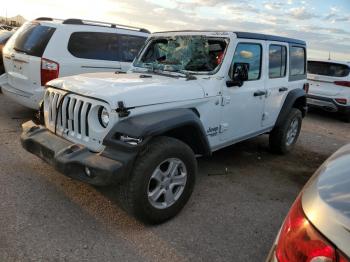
(277, 61)
(251, 54)
(130, 47)
(297, 61)
(94, 45)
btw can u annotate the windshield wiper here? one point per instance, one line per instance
(178, 72)
(187, 74)
(162, 73)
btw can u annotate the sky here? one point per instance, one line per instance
(324, 24)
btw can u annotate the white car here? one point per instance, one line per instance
(188, 94)
(46, 48)
(330, 86)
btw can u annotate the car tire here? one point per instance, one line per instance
(347, 118)
(138, 195)
(284, 137)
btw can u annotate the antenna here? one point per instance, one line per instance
(329, 57)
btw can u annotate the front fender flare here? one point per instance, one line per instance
(159, 123)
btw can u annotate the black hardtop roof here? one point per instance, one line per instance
(248, 35)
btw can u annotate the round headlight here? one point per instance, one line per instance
(104, 117)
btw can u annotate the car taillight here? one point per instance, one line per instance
(342, 83)
(342, 101)
(299, 241)
(342, 258)
(306, 88)
(49, 71)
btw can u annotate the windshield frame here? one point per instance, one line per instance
(152, 38)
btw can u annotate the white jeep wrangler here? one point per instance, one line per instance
(188, 94)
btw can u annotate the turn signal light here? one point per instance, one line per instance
(306, 87)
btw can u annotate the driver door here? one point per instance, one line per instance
(243, 106)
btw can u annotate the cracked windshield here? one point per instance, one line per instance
(192, 54)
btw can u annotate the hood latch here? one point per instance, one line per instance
(122, 110)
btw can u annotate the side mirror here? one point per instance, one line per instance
(238, 74)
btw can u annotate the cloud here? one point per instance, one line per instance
(300, 13)
(243, 8)
(274, 5)
(324, 31)
(207, 2)
(342, 19)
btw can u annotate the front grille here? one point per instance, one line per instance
(74, 117)
(70, 114)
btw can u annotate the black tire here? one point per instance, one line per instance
(134, 192)
(279, 135)
(347, 118)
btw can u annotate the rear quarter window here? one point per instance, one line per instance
(328, 69)
(33, 38)
(105, 46)
(297, 61)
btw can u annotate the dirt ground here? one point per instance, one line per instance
(241, 197)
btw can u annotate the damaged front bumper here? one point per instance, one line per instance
(76, 161)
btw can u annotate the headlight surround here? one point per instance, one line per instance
(103, 116)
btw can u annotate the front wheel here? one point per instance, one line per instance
(161, 182)
(284, 137)
(347, 118)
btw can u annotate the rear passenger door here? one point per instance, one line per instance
(93, 52)
(276, 82)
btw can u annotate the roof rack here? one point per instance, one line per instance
(47, 19)
(74, 21)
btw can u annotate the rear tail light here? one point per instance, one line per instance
(342, 101)
(49, 70)
(342, 83)
(299, 241)
(342, 258)
(306, 88)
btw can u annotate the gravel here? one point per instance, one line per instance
(242, 195)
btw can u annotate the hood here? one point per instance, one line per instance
(326, 199)
(134, 89)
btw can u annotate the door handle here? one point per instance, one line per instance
(260, 93)
(283, 89)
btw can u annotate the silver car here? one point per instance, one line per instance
(317, 228)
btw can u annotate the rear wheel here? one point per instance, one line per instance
(284, 136)
(162, 181)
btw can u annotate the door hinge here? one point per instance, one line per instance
(225, 100)
(223, 127)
